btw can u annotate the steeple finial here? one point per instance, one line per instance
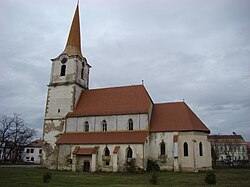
(73, 46)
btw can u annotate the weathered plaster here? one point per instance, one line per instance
(51, 126)
(117, 161)
(166, 162)
(63, 93)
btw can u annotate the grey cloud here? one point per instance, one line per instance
(197, 50)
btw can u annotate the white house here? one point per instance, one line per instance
(33, 152)
(228, 148)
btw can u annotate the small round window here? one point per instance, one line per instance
(64, 60)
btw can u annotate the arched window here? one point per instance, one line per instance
(86, 126)
(106, 154)
(130, 124)
(106, 151)
(163, 149)
(200, 149)
(129, 153)
(104, 125)
(185, 146)
(63, 70)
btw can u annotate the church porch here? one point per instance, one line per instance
(84, 159)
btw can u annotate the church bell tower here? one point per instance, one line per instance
(69, 76)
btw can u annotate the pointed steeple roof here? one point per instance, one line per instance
(73, 46)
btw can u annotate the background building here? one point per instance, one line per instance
(33, 152)
(248, 150)
(228, 148)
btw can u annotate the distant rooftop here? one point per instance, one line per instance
(226, 138)
(36, 143)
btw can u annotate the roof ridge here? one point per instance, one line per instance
(191, 112)
(189, 115)
(173, 102)
(136, 85)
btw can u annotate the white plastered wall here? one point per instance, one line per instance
(194, 162)
(156, 138)
(73, 71)
(114, 123)
(100, 163)
(60, 101)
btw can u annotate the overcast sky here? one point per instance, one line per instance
(183, 49)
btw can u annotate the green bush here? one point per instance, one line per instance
(46, 177)
(152, 166)
(210, 178)
(154, 179)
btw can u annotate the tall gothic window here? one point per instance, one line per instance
(63, 70)
(86, 126)
(129, 153)
(185, 147)
(104, 125)
(163, 148)
(200, 149)
(130, 124)
(106, 153)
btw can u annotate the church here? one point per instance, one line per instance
(105, 129)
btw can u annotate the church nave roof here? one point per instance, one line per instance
(113, 101)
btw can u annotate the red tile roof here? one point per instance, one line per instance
(111, 101)
(85, 151)
(175, 117)
(76, 150)
(226, 138)
(36, 143)
(112, 137)
(116, 149)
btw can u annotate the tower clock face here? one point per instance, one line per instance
(64, 60)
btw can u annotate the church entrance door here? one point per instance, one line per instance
(86, 166)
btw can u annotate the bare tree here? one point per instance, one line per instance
(14, 135)
(6, 124)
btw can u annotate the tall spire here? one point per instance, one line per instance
(73, 46)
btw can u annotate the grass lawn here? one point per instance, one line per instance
(12, 177)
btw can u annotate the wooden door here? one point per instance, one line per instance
(86, 166)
